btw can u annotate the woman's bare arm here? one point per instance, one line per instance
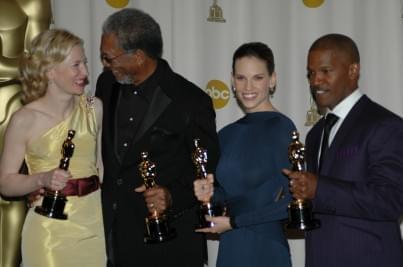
(16, 137)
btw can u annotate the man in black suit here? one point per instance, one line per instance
(148, 107)
(354, 165)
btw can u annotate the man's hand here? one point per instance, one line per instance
(302, 184)
(157, 198)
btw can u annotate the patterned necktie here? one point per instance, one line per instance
(330, 120)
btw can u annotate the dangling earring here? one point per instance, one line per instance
(233, 89)
(271, 91)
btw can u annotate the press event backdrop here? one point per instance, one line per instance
(201, 50)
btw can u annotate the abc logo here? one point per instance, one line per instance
(219, 92)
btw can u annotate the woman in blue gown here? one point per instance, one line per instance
(249, 179)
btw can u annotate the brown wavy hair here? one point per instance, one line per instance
(47, 49)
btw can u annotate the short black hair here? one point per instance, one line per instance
(339, 42)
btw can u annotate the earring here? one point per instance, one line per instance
(271, 91)
(233, 89)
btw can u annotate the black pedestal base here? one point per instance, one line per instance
(300, 216)
(53, 206)
(208, 209)
(158, 230)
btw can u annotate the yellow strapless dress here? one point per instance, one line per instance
(79, 240)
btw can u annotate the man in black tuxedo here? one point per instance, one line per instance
(148, 107)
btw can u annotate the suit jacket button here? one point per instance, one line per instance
(119, 181)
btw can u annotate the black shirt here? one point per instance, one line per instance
(133, 103)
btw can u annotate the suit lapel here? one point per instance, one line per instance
(349, 122)
(313, 143)
(158, 104)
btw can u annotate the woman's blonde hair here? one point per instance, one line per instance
(48, 49)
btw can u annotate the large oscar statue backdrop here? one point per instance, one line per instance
(20, 22)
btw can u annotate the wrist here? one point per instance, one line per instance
(40, 182)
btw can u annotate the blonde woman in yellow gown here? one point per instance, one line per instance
(54, 74)
(20, 22)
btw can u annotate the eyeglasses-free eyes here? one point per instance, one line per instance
(109, 60)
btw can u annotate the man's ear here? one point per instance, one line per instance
(354, 71)
(140, 56)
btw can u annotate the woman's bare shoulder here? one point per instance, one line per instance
(24, 116)
(29, 120)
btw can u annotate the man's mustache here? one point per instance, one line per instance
(314, 89)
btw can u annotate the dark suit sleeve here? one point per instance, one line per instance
(378, 193)
(98, 90)
(201, 125)
(104, 83)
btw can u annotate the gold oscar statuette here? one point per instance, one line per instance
(300, 215)
(312, 115)
(53, 202)
(215, 13)
(157, 225)
(199, 157)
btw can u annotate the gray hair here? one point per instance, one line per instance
(135, 29)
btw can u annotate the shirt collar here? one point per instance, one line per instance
(146, 88)
(344, 107)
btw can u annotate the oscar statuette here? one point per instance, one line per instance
(215, 13)
(53, 202)
(199, 157)
(157, 225)
(299, 210)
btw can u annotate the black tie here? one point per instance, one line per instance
(330, 120)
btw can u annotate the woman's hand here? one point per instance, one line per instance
(204, 188)
(221, 225)
(55, 179)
